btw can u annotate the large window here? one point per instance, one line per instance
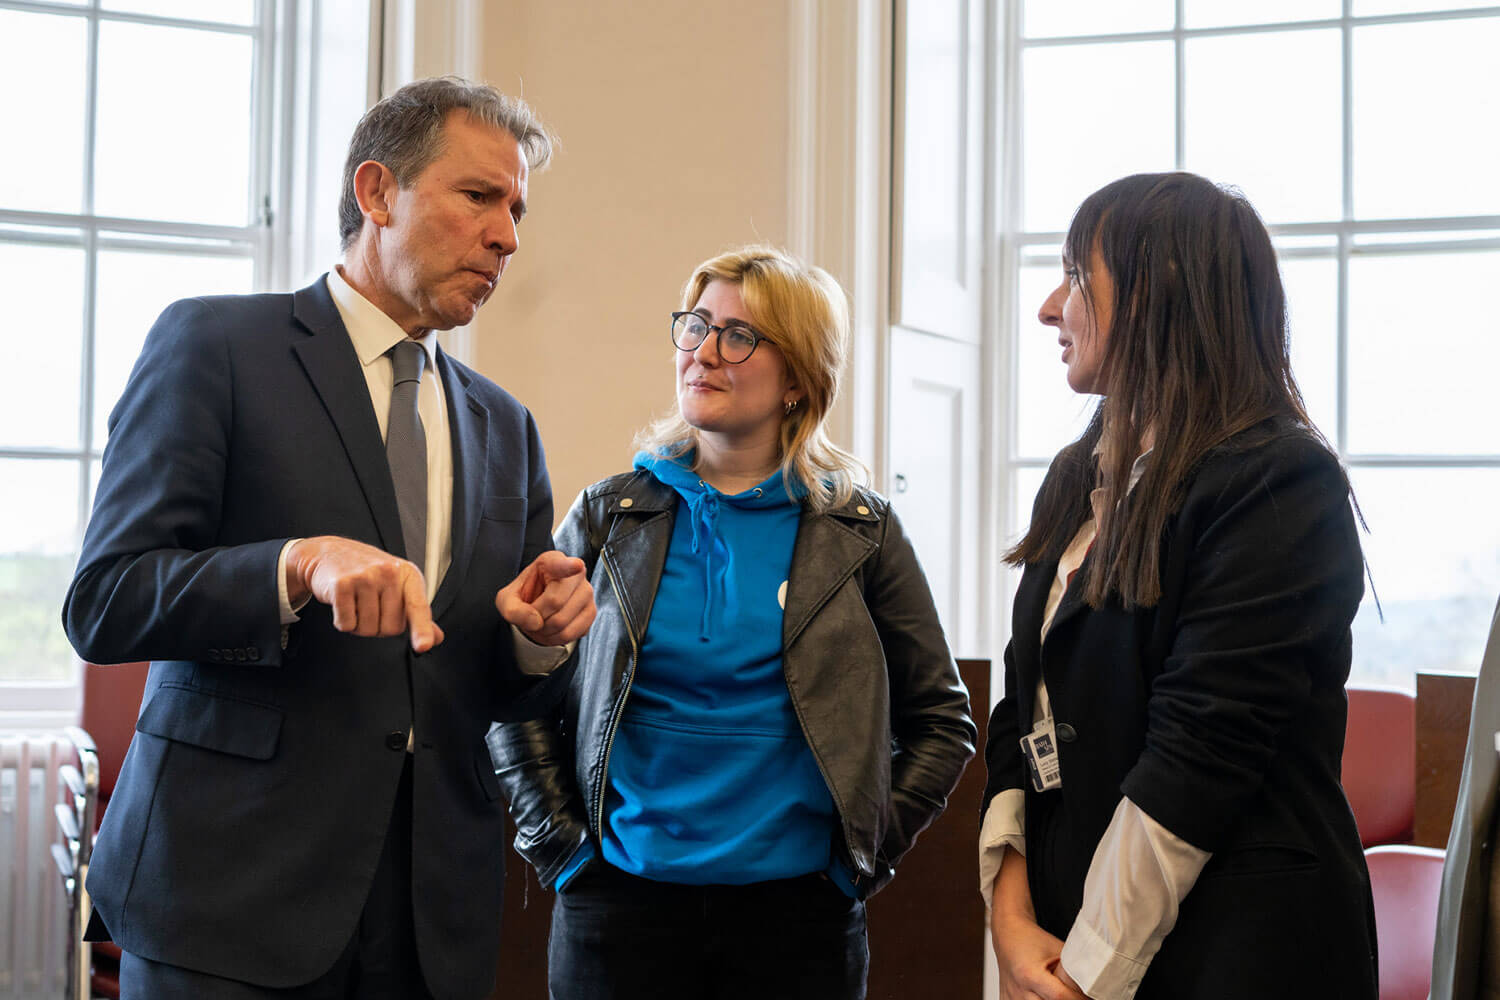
(1367, 133)
(137, 170)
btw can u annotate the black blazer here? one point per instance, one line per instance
(243, 834)
(1220, 712)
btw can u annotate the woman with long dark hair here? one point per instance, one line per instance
(1163, 816)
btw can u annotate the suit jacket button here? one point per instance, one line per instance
(1066, 733)
(395, 741)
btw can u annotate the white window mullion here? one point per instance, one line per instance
(1179, 55)
(90, 274)
(1345, 237)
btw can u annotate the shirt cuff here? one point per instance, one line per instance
(1004, 826)
(1100, 972)
(1137, 880)
(288, 613)
(536, 659)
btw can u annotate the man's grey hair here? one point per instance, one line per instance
(405, 133)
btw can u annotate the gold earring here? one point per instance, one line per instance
(791, 405)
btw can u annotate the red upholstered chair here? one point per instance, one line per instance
(111, 702)
(1380, 763)
(1406, 881)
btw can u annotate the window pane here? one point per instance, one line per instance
(1027, 481)
(38, 547)
(1048, 413)
(1241, 135)
(1093, 113)
(1056, 18)
(225, 11)
(1372, 8)
(133, 288)
(42, 170)
(1220, 13)
(1420, 381)
(1426, 135)
(1437, 579)
(174, 124)
(1312, 297)
(42, 288)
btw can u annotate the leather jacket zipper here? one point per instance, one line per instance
(619, 709)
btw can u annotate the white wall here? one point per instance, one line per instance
(672, 115)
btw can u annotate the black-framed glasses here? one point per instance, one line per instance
(736, 340)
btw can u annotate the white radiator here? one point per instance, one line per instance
(33, 907)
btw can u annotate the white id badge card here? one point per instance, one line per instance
(1040, 748)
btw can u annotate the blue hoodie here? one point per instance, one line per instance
(711, 780)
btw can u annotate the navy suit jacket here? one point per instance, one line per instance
(243, 834)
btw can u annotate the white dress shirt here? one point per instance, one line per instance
(373, 333)
(1140, 872)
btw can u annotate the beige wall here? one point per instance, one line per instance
(672, 115)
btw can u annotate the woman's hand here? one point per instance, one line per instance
(1028, 956)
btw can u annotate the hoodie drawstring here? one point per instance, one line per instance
(704, 508)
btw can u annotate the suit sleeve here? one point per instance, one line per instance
(153, 579)
(1270, 576)
(529, 693)
(534, 759)
(933, 731)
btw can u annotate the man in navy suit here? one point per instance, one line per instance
(341, 566)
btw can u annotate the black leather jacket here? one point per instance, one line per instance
(870, 675)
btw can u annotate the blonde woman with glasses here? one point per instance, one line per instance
(765, 714)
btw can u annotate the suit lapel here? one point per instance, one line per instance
(1072, 602)
(826, 554)
(327, 356)
(470, 423)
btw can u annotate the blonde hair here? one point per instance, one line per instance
(804, 311)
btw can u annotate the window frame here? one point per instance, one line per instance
(1346, 239)
(264, 239)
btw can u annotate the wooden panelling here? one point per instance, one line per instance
(1443, 703)
(521, 973)
(927, 929)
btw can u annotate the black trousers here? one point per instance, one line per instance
(379, 962)
(619, 937)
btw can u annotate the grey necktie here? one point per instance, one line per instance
(406, 447)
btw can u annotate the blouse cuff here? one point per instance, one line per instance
(1004, 826)
(1101, 972)
(1139, 875)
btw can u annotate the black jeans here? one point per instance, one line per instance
(619, 937)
